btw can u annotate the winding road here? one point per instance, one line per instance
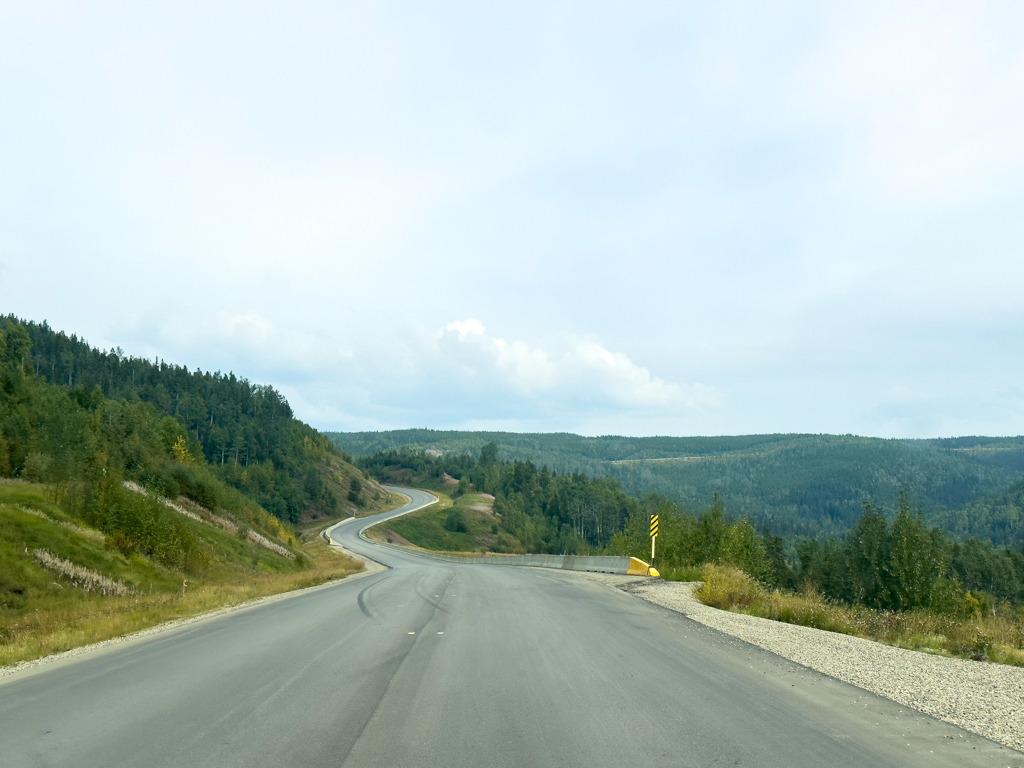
(433, 664)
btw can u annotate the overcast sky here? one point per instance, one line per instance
(634, 218)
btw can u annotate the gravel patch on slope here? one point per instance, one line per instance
(982, 697)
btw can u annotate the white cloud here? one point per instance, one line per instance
(582, 372)
(248, 328)
(463, 328)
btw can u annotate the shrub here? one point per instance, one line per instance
(37, 467)
(13, 594)
(354, 488)
(191, 481)
(134, 521)
(456, 521)
(122, 543)
(727, 587)
(997, 634)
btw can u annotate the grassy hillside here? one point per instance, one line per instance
(797, 485)
(68, 579)
(245, 433)
(466, 525)
(109, 505)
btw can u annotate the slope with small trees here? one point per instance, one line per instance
(112, 519)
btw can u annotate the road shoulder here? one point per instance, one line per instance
(981, 697)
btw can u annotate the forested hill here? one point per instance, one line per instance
(245, 431)
(998, 518)
(796, 485)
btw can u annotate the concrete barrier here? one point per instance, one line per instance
(638, 567)
(592, 563)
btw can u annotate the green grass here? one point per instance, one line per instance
(427, 530)
(997, 636)
(690, 573)
(41, 612)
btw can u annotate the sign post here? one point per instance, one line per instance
(654, 535)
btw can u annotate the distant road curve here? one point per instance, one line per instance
(433, 664)
(663, 460)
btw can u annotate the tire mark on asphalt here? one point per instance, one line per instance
(362, 602)
(395, 666)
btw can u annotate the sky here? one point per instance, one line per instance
(639, 218)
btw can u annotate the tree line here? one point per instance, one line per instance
(902, 564)
(890, 560)
(246, 433)
(84, 445)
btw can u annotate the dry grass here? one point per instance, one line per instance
(209, 517)
(997, 637)
(82, 618)
(79, 577)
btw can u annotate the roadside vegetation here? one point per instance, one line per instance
(891, 579)
(993, 635)
(121, 584)
(245, 435)
(113, 519)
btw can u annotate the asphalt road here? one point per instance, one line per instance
(430, 664)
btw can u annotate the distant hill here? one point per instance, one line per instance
(794, 484)
(998, 518)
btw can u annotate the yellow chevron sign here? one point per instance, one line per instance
(654, 526)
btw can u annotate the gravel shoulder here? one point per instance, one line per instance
(985, 698)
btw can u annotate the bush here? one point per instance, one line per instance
(456, 521)
(190, 481)
(122, 543)
(136, 522)
(13, 594)
(997, 635)
(727, 587)
(5, 458)
(37, 467)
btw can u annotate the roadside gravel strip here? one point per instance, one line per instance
(982, 697)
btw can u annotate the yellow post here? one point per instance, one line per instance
(654, 535)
